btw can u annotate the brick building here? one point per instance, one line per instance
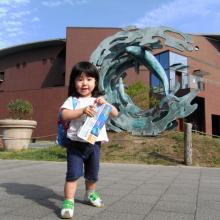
(39, 72)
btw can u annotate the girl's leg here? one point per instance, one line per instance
(74, 171)
(91, 166)
(91, 196)
(70, 189)
(90, 185)
(67, 210)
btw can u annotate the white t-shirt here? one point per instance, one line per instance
(77, 123)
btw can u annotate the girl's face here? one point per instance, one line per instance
(85, 85)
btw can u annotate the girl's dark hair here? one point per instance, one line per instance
(90, 70)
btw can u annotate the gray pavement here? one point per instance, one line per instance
(34, 190)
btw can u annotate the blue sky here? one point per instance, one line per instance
(24, 21)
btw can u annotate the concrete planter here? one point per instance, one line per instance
(16, 134)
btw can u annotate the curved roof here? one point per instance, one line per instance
(213, 36)
(32, 45)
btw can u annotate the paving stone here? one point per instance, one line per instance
(178, 206)
(130, 207)
(208, 214)
(209, 196)
(17, 202)
(32, 211)
(15, 217)
(87, 210)
(173, 197)
(150, 191)
(159, 215)
(56, 216)
(5, 210)
(34, 190)
(209, 205)
(111, 192)
(117, 216)
(140, 198)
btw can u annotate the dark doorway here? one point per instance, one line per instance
(216, 125)
(178, 78)
(197, 118)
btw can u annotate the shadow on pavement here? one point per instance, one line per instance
(166, 158)
(38, 194)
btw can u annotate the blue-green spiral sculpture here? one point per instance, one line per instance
(131, 48)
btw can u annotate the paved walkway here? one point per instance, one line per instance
(33, 190)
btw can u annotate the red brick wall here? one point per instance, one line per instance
(25, 70)
(80, 44)
(207, 59)
(46, 103)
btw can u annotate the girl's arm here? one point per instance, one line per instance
(68, 114)
(101, 100)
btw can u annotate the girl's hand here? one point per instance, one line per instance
(100, 101)
(89, 110)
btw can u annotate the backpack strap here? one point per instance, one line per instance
(74, 102)
(63, 126)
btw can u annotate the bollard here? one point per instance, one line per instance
(188, 144)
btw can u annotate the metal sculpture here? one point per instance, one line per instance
(131, 48)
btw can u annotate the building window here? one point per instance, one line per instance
(156, 84)
(201, 85)
(175, 66)
(197, 82)
(178, 70)
(178, 78)
(2, 76)
(198, 79)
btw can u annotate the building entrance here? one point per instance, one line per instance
(216, 125)
(197, 118)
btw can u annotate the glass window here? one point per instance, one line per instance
(164, 60)
(156, 84)
(178, 66)
(175, 66)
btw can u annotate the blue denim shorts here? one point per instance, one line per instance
(83, 160)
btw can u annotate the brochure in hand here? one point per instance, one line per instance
(93, 125)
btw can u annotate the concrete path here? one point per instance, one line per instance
(34, 190)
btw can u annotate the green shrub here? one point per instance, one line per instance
(154, 101)
(139, 93)
(137, 88)
(20, 109)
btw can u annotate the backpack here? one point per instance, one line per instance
(62, 127)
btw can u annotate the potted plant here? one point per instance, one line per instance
(17, 130)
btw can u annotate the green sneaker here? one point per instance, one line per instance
(94, 199)
(67, 209)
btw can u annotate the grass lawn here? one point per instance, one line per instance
(166, 149)
(50, 153)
